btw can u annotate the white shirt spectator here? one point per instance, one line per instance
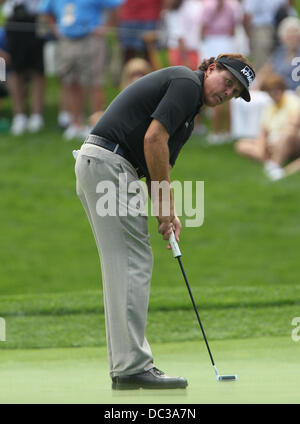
(190, 23)
(185, 23)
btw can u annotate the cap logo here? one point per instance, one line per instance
(249, 74)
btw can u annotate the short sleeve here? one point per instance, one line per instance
(179, 102)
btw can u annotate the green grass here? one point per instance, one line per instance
(242, 263)
(266, 369)
(77, 319)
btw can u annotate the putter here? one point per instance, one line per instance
(177, 255)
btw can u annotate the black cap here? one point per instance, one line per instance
(242, 71)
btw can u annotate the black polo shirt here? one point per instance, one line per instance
(171, 95)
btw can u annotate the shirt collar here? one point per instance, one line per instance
(200, 75)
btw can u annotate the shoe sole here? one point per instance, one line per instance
(116, 386)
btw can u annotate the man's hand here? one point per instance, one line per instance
(165, 226)
(177, 227)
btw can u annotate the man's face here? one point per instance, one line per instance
(220, 86)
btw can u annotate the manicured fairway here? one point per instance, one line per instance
(268, 371)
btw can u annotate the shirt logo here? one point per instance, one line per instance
(187, 124)
(249, 74)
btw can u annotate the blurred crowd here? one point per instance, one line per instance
(88, 43)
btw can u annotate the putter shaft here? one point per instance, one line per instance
(177, 255)
(196, 310)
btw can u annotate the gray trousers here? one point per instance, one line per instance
(262, 39)
(125, 257)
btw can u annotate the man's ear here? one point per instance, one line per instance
(210, 69)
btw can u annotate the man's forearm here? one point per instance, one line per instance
(160, 193)
(157, 158)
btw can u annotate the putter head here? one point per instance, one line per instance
(227, 377)
(224, 377)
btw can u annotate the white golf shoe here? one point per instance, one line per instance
(19, 124)
(35, 123)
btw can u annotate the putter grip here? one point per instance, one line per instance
(174, 246)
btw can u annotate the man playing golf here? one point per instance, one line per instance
(140, 135)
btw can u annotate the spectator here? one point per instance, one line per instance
(284, 10)
(170, 23)
(4, 64)
(135, 18)
(182, 25)
(279, 140)
(241, 39)
(292, 167)
(3, 47)
(134, 69)
(82, 48)
(182, 20)
(150, 39)
(246, 120)
(25, 48)
(259, 24)
(48, 24)
(281, 61)
(220, 19)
